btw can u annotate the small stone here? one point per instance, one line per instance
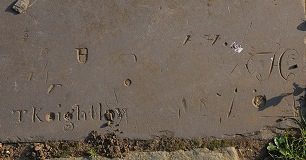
(47, 147)
(109, 123)
(259, 101)
(38, 146)
(127, 82)
(11, 151)
(1, 145)
(109, 115)
(21, 6)
(117, 149)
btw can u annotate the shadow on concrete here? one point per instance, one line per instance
(103, 125)
(297, 90)
(274, 101)
(302, 26)
(10, 8)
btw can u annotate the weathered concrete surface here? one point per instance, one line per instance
(229, 153)
(163, 67)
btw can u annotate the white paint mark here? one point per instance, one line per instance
(149, 30)
(236, 47)
(15, 87)
(32, 3)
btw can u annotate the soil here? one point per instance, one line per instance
(110, 145)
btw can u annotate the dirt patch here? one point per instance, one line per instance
(110, 145)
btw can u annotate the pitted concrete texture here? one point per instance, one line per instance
(229, 153)
(143, 68)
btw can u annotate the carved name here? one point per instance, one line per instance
(76, 113)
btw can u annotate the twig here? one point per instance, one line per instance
(231, 107)
(30, 76)
(247, 64)
(184, 103)
(215, 40)
(50, 88)
(203, 102)
(234, 68)
(271, 65)
(187, 39)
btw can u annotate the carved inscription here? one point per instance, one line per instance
(19, 112)
(35, 114)
(73, 115)
(81, 54)
(68, 126)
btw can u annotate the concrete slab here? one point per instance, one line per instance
(143, 68)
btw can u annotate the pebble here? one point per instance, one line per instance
(21, 6)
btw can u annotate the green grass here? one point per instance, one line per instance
(215, 144)
(92, 153)
(197, 142)
(290, 146)
(62, 154)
